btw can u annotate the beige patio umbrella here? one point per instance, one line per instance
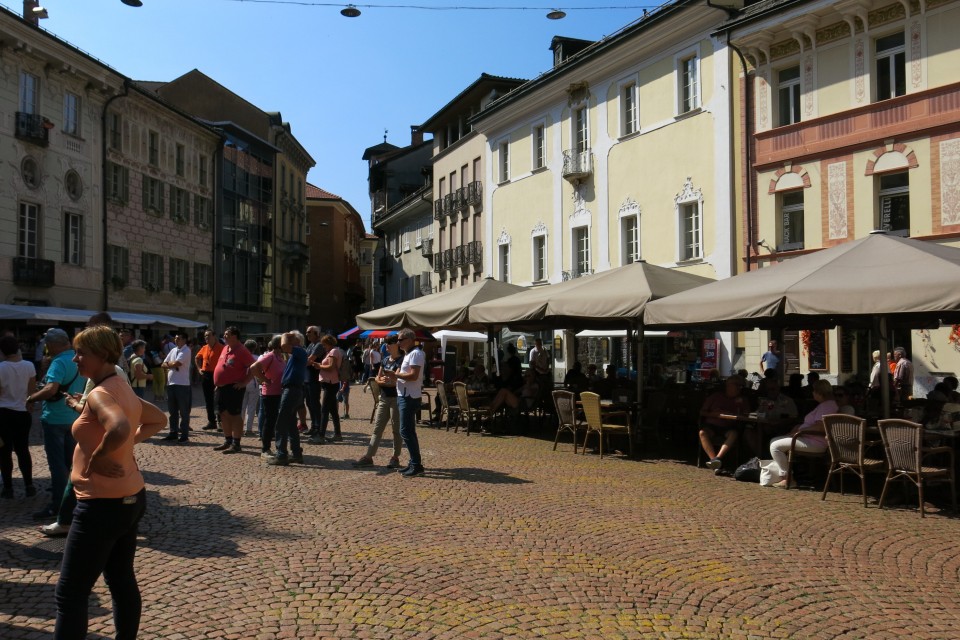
(614, 298)
(875, 281)
(448, 309)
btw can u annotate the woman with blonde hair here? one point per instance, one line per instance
(111, 497)
(812, 439)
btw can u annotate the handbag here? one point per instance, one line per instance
(769, 473)
(749, 471)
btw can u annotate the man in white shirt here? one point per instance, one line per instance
(179, 392)
(409, 384)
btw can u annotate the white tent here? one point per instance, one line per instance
(446, 336)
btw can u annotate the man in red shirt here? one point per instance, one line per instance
(231, 376)
(717, 417)
(206, 361)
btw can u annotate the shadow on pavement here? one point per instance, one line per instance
(15, 554)
(469, 474)
(160, 479)
(198, 530)
(36, 601)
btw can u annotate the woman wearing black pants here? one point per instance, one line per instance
(329, 385)
(18, 379)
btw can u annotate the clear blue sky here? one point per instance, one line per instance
(338, 81)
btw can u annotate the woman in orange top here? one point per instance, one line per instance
(110, 491)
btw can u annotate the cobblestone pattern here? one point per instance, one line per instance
(503, 538)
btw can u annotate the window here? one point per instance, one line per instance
(891, 66)
(152, 276)
(117, 179)
(179, 276)
(895, 203)
(504, 161)
(73, 239)
(539, 147)
(788, 96)
(71, 114)
(115, 133)
(118, 265)
(28, 231)
(201, 279)
(539, 258)
(791, 221)
(689, 84)
(180, 159)
(691, 243)
(476, 170)
(505, 263)
(630, 239)
(581, 251)
(201, 212)
(29, 92)
(152, 195)
(179, 205)
(581, 129)
(154, 148)
(629, 120)
(202, 170)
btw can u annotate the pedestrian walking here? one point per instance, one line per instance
(268, 371)
(231, 376)
(316, 352)
(17, 379)
(179, 392)
(290, 399)
(409, 380)
(139, 373)
(251, 394)
(387, 409)
(206, 363)
(329, 369)
(110, 491)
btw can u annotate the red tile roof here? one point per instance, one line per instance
(318, 193)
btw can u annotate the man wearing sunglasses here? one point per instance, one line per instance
(409, 380)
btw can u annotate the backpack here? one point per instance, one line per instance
(346, 368)
(749, 471)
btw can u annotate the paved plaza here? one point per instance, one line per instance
(504, 538)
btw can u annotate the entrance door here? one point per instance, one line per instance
(791, 352)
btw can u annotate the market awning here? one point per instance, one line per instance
(352, 333)
(421, 334)
(80, 316)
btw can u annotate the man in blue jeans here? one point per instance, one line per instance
(291, 398)
(56, 417)
(409, 384)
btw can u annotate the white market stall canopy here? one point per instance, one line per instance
(446, 336)
(60, 314)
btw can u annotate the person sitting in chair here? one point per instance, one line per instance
(814, 441)
(575, 378)
(523, 399)
(729, 402)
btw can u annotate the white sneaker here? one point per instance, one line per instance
(55, 530)
(715, 463)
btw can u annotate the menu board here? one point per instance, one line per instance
(818, 351)
(708, 353)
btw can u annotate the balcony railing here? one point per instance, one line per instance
(475, 194)
(426, 248)
(475, 253)
(576, 272)
(911, 114)
(438, 209)
(447, 259)
(448, 204)
(33, 272)
(459, 256)
(33, 128)
(426, 283)
(577, 165)
(460, 199)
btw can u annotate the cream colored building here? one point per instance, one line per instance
(856, 114)
(459, 174)
(621, 152)
(51, 236)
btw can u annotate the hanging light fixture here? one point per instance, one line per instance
(556, 14)
(132, 3)
(350, 11)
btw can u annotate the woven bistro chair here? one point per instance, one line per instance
(566, 406)
(906, 459)
(469, 415)
(797, 453)
(594, 418)
(375, 393)
(445, 410)
(846, 441)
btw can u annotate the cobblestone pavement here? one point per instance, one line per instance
(503, 538)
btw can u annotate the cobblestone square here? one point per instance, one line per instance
(503, 538)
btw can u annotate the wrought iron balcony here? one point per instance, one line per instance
(577, 165)
(448, 202)
(460, 199)
(33, 272)
(459, 255)
(33, 128)
(438, 209)
(475, 253)
(447, 259)
(426, 248)
(475, 194)
(426, 283)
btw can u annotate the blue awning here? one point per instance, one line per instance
(80, 316)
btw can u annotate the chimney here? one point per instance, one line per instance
(28, 14)
(416, 135)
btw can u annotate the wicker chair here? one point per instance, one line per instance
(846, 441)
(794, 452)
(468, 415)
(566, 406)
(903, 444)
(444, 404)
(375, 393)
(594, 420)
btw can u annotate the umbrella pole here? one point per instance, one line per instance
(884, 369)
(639, 416)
